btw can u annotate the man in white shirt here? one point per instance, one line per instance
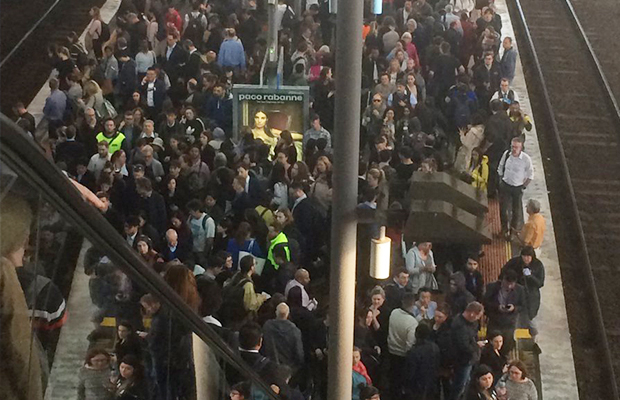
(148, 131)
(302, 278)
(505, 93)
(401, 338)
(515, 171)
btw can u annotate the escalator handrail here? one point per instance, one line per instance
(30, 163)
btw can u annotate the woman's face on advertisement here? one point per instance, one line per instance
(260, 119)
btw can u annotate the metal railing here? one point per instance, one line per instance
(30, 163)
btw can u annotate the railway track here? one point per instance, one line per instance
(27, 69)
(580, 136)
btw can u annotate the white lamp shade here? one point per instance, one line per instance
(377, 7)
(380, 254)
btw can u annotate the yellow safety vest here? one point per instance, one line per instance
(115, 142)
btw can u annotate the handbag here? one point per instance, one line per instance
(259, 262)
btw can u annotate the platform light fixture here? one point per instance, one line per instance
(377, 7)
(380, 254)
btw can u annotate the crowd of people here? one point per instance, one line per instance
(141, 115)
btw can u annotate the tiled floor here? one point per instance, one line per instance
(556, 361)
(498, 251)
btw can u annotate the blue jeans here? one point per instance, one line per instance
(461, 379)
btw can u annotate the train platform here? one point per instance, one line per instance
(557, 366)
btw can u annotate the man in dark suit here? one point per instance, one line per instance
(308, 220)
(487, 76)
(192, 68)
(153, 204)
(498, 132)
(174, 59)
(174, 250)
(131, 229)
(242, 200)
(83, 175)
(70, 151)
(404, 14)
(372, 67)
(252, 186)
(112, 215)
(250, 342)
(153, 90)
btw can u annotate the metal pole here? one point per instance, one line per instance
(297, 9)
(344, 223)
(272, 43)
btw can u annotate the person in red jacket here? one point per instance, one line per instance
(173, 21)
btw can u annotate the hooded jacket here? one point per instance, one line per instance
(282, 343)
(480, 175)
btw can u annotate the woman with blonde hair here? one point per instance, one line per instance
(321, 189)
(93, 97)
(94, 40)
(22, 379)
(322, 167)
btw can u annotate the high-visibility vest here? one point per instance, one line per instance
(115, 142)
(281, 238)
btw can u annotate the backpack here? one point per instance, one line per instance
(105, 32)
(194, 30)
(290, 68)
(232, 300)
(204, 221)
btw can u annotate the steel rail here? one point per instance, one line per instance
(27, 35)
(537, 72)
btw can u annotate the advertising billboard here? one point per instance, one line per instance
(267, 111)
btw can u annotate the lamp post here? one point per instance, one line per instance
(344, 221)
(380, 255)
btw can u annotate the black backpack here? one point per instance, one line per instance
(195, 30)
(232, 300)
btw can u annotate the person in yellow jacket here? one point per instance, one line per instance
(479, 169)
(115, 139)
(277, 237)
(271, 273)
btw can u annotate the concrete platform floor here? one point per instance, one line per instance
(557, 366)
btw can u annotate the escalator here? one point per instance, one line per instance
(95, 304)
